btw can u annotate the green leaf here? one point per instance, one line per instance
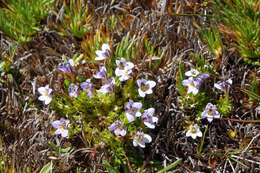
(171, 166)
(47, 168)
(110, 169)
(65, 150)
(251, 94)
(2, 66)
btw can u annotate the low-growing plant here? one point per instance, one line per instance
(106, 98)
(241, 21)
(21, 19)
(74, 18)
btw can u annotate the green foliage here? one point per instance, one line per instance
(253, 91)
(224, 105)
(241, 21)
(76, 18)
(21, 19)
(213, 38)
(47, 168)
(171, 166)
(126, 48)
(58, 149)
(6, 62)
(203, 65)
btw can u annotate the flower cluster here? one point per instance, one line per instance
(194, 81)
(124, 71)
(210, 112)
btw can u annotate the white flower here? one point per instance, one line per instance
(193, 85)
(145, 87)
(140, 139)
(192, 72)
(45, 94)
(194, 131)
(104, 53)
(148, 118)
(124, 69)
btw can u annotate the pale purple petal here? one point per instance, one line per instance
(130, 117)
(64, 133)
(56, 124)
(147, 138)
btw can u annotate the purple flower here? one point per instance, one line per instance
(108, 86)
(223, 86)
(148, 118)
(73, 90)
(210, 112)
(132, 110)
(194, 131)
(141, 138)
(45, 94)
(67, 67)
(201, 78)
(192, 73)
(145, 87)
(104, 53)
(101, 74)
(193, 85)
(204, 76)
(87, 87)
(118, 128)
(61, 126)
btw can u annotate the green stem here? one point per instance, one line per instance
(202, 141)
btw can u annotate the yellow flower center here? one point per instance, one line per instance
(193, 130)
(144, 87)
(132, 111)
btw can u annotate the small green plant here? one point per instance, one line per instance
(76, 18)
(21, 19)
(253, 92)
(213, 39)
(6, 62)
(241, 21)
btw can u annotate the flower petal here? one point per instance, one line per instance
(64, 133)
(151, 83)
(56, 124)
(130, 117)
(105, 47)
(147, 138)
(149, 125)
(42, 90)
(47, 100)
(135, 143)
(141, 93)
